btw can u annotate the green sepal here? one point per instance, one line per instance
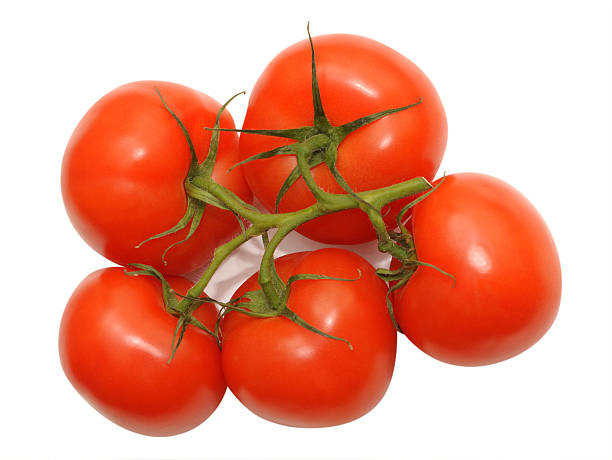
(177, 337)
(181, 224)
(402, 281)
(402, 275)
(292, 316)
(168, 294)
(195, 223)
(404, 210)
(321, 123)
(193, 214)
(283, 150)
(194, 158)
(206, 168)
(347, 128)
(425, 264)
(310, 276)
(297, 134)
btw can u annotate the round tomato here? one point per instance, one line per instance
(357, 77)
(114, 344)
(508, 277)
(124, 169)
(293, 376)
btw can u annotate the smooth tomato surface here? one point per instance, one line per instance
(357, 77)
(498, 247)
(114, 345)
(123, 174)
(292, 376)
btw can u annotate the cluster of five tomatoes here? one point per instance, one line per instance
(122, 182)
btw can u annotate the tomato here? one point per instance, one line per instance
(293, 376)
(124, 168)
(508, 276)
(357, 77)
(114, 344)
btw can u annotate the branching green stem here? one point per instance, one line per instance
(285, 223)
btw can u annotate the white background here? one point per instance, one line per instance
(526, 88)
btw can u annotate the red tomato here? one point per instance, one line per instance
(292, 376)
(499, 249)
(114, 345)
(357, 77)
(123, 174)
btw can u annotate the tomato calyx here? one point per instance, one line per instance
(310, 154)
(257, 304)
(198, 198)
(174, 307)
(403, 241)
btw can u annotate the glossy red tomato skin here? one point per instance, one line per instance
(292, 376)
(124, 169)
(357, 77)
(502, 254)
(114, 343)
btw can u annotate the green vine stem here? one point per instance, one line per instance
(285, 223)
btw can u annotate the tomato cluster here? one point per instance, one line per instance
(337, 147)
